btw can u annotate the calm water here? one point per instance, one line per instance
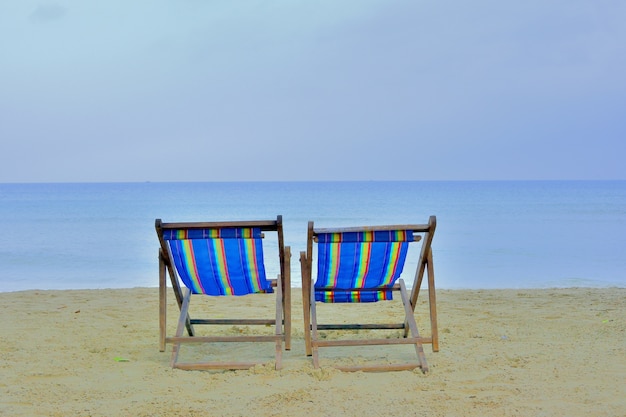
(489, 234)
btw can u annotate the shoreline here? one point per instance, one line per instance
(557, 351)
(298, 288)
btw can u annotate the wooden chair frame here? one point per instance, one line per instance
(423, 232)
(282, 286)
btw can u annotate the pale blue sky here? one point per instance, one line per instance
(201, 90)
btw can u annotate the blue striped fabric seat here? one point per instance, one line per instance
(225, 261)
(359, 261)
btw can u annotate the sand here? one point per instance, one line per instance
(557, 352)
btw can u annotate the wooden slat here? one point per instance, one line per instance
(221, 339)
(253, 322)
(199, 366)
(425, 340)
(379, 368)
(373, 326)
(418, 228)
(367, 342)
(266, 225)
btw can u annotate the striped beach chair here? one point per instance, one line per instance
(221, 259)
(364, 265)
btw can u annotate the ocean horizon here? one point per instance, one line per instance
(490, 234)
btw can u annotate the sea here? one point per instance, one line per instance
(490, 234)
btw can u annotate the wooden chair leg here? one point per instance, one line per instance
(415, 291)
(287, 298)
(279, 324)
(182, 321)
(410, 319)
(313, 339)
(162, 303)
(306, 302)
(432, 301)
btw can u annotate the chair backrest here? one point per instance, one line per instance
(359, 264)
(219, 258)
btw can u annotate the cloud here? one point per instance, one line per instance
(48, 12)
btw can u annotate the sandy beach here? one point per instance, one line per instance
(557, 352)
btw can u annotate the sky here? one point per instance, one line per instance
(294, 90)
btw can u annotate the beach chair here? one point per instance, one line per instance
(221, 259)
(360, 265)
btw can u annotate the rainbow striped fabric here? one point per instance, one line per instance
(219, 261)
(359, 260)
